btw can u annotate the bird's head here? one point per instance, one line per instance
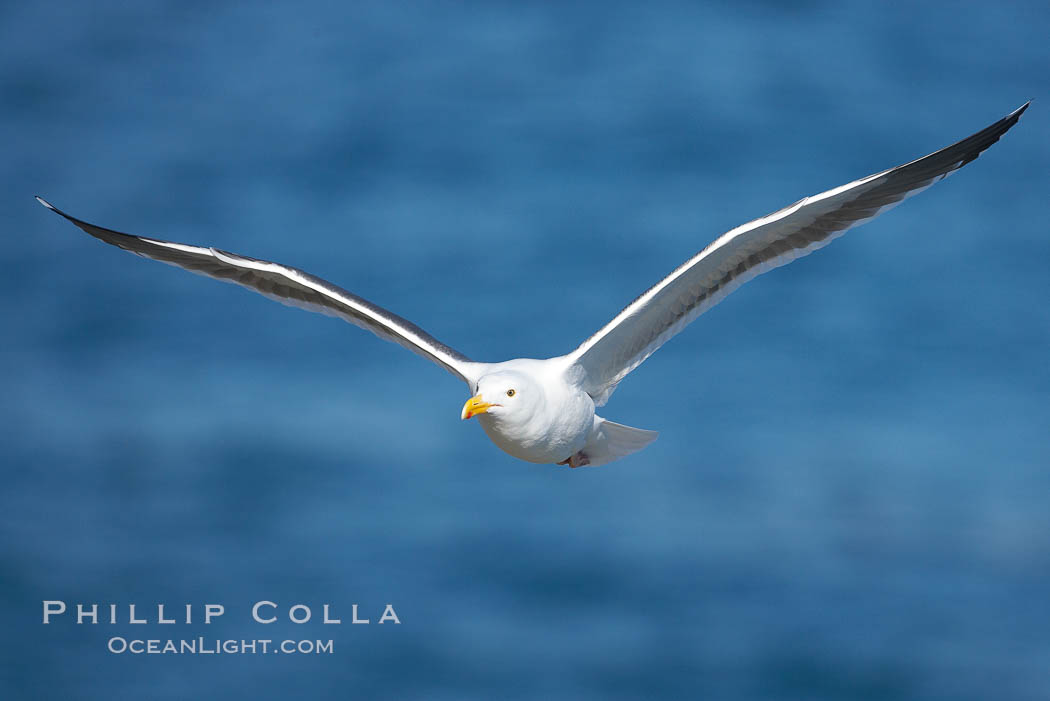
(505, 395)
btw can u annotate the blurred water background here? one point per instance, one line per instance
(848, 499)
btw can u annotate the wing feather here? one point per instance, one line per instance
(290, 286)
(752, 249)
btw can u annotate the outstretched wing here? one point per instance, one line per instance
(289, 286)
(750, 250)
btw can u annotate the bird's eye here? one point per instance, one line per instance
(510, 393)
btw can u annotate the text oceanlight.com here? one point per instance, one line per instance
(203, 646)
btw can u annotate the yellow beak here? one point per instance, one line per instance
(474, 406)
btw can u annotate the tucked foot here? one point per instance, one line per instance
(578, 460)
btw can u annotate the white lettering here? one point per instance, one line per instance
(213, 611)
(131, 616)
(259, 605)
(123, 645)
(291, 613)
(53, 608)
(81, 614)
(160, 615)
(328, 620)
(354, 614)
(389, 615)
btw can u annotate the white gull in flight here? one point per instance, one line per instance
(542, 411)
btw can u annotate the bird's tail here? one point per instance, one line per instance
(611, 441)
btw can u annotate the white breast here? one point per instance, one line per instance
(556, 430)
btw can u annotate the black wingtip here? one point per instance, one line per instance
(1020, 110)
(56, 210)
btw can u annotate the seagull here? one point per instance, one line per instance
(543, 410)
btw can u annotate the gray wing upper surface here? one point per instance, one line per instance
(289, 286)
(754, 248)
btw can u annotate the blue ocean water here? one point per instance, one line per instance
(848, 499)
